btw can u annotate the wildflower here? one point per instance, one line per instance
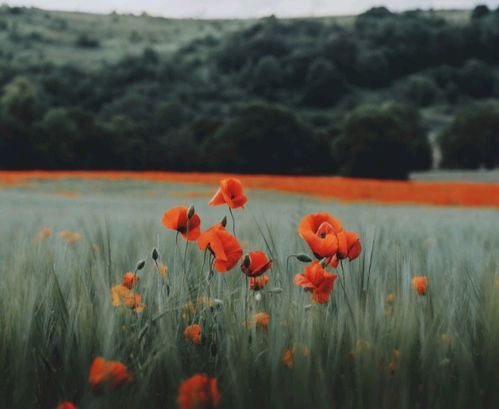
(123, 296)
(43, 233)
(163, 270)
(177, 219)
(420, 284)
(353, 245)
(199, 392)
(255, 263)
(390, 298)
(69, 237)
(108, 373)
(324, 234)
(66, 405)
(318, 281)
(258, 283)
(361, 347)
(230, 193)
(193, 332)
(223, 245)
(392, 365)
(130, 280)
(287, 358)
(202, 302)
(262, 319)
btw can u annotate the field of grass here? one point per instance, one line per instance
(57, 316)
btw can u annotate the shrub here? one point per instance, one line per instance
(384, 142)
(324, 84)
(472, 139)
(419, 90)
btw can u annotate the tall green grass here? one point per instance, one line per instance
(56, 314)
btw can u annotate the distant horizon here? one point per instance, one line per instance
(248, 9)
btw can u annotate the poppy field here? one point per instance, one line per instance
(134, 294)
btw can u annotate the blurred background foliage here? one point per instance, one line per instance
(376, 95)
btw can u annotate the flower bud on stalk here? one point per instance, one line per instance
(303, 258)
(190, 211)
(223, 222)
(155, 254)
(141, 264)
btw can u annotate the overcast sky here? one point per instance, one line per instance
(243, 8)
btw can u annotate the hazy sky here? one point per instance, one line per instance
(243, 8)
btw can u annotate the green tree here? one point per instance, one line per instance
(382, 141)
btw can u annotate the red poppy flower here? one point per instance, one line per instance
(353, 245)
(111, 373)
(258, 283)
(177, 219)
(66, 405)
(316, 280)
(193, 332)
(130, 280)
(262, 319)
(420, 284)
(199, 392)
(223, 245)
(230, 193)
(324, 235)
(255, 263)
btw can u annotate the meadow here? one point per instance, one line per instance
(376, 342)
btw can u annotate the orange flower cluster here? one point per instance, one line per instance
(339, 188)
(122, 294)
(317, 281)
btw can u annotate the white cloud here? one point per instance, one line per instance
(244, 8)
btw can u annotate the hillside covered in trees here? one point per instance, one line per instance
(376, 95)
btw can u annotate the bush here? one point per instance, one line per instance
(324, 84)
(472, 139)
(477, 79)
(419, 90)
(263, 138)
(83, 41)
(384, 142)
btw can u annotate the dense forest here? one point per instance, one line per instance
(376, 95)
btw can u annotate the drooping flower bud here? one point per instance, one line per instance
(324, 262)
(141, 264)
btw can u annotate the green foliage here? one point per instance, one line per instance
(139, 69)
(472, 139)
(266, 139)
(384, 142)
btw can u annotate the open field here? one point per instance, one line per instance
(57, 316)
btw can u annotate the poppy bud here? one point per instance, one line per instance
(190, 211)
(258, 297)
(324, 262)
(303, 258)
(246, 261)
(141, 264)
(223, 222)
(155, 254)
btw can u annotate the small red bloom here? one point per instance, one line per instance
(193, 332)
(420, 284)
(255, 263)
(353, 245)
(230, 193)
(111, 373)
(324, 234)
(199, 392)
(130, 280)
(177, 219)
(316, 280)
(66, 405)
